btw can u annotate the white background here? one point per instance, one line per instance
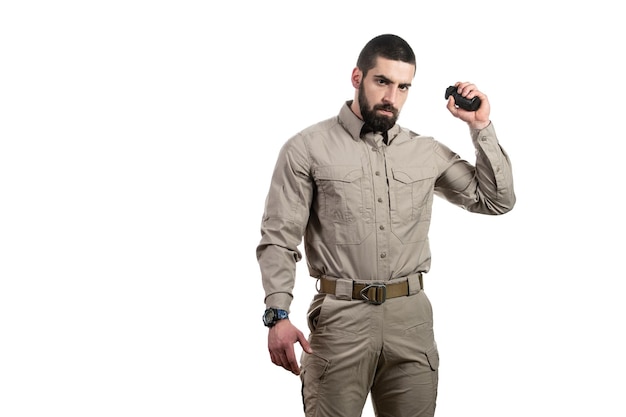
(137, 141)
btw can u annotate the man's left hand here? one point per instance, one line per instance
(478, 119)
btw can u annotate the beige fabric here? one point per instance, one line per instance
(364, 207)
(357, 346)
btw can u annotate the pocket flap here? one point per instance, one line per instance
(345, 173)
(409, 175)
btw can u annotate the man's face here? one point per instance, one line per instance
(383, 92)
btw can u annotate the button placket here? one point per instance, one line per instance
(381, 193)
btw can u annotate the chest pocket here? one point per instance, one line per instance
(411, 201)
(344, 202)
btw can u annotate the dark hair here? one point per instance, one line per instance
(387, 46)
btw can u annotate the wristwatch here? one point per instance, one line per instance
(272, 315)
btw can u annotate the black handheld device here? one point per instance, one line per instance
(463, 102)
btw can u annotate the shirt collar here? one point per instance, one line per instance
(354, 125)
(350, 122)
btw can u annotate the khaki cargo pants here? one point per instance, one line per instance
(358, 347)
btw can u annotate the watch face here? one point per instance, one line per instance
(269, 317)
(272, 315)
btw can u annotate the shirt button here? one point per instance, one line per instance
(380, 200)
(374, 149)
(381, 227)
(383, 255)
(377, 173)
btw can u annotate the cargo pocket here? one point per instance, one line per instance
(411, 202)
(433, 360)
(314, 370)
(344, 202)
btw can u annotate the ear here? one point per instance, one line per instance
(357, 77)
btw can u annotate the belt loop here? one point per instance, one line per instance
(415, 283)
(343, 289)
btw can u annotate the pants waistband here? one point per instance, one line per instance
(371, 292)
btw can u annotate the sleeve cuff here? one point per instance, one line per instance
(279, 300)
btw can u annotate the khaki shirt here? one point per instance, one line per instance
(364, 207)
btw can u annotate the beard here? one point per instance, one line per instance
(373, 120)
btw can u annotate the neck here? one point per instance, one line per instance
(356, 109)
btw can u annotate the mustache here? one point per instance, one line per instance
(386, 107)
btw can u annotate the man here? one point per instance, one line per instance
(360, 189)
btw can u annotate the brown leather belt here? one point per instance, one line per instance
(375, 292)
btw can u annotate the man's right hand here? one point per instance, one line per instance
(280, 340)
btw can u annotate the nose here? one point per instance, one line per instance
(390, 95)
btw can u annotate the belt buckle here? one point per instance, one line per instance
(380, 295)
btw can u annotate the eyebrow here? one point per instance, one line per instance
(382, 77)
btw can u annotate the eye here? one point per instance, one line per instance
(404, 87)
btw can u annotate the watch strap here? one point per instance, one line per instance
(276, 315)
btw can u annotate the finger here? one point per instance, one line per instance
(468, 90)
(306, 346)
(475, 92)
(451, 106)
(280, 359)
(290, 362)
(275, 359)
(285, 357)
(460, 86)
